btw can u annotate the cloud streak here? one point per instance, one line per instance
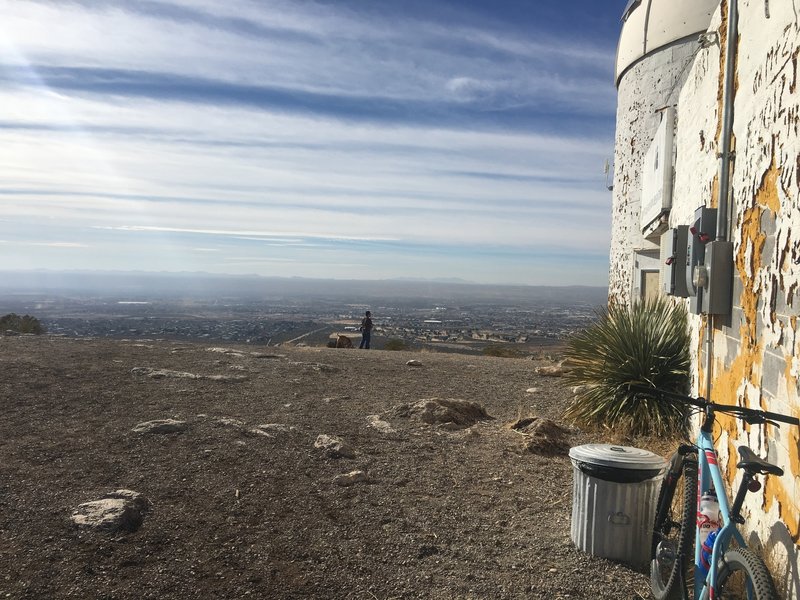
(376, 133)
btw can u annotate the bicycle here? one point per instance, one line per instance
(732, 572)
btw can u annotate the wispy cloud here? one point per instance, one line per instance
(294, 127)
(256, 235)
(45, 244)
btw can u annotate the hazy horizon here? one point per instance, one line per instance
(138, 284)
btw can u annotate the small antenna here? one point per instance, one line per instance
(608, 170)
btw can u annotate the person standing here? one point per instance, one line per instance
(366, 330)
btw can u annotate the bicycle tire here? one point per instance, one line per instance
(744, 576)
(671, 551)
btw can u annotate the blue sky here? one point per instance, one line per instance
(348, 139)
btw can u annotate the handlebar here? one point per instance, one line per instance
(748, 415)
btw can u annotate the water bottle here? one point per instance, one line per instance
(705, 553)
(709, 523)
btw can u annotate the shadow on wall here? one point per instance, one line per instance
(781, 556)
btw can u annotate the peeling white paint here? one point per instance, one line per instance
(765, 229)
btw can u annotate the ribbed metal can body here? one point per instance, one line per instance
(614, 501)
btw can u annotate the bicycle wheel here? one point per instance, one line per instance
(743, 576)
(671, 553)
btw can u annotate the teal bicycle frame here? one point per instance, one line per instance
(708, 471)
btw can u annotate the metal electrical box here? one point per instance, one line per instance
(701, 232)
(657, 175)
(709, 266)
(673, 261)
(718, 294)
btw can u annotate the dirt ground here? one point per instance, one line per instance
(446, 511)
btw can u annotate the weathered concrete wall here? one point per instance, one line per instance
(757, 351)
(651, 84)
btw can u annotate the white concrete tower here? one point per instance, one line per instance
(657, 45)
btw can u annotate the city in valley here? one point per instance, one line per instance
(443, 316)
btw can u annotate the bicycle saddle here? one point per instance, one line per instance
(753, 463)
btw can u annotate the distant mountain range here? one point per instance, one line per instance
(140, 284)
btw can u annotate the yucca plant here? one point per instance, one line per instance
(646, 344)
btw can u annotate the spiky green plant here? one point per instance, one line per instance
(645, 344)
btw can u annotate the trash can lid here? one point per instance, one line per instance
(621, 457)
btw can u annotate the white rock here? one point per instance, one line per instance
(230, 422)
(351, 478)
(333, 447)
(225, 351)
(162, 373)
(231, 378)
(414, 363)
(271, 429)
(376, 422)
(161, 426)
(119, 510)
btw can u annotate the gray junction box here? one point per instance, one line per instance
(674, 243)
(614, 494)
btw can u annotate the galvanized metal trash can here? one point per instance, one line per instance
(614, 495)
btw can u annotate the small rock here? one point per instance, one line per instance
(471, 433)
(229, 378)
(532, 391)
(376, 422)
(230, 351)
(230, 422)
(168, 374)
(414, 363)
(557, 370)
(161, 426)
(351, 478)
(329, 399)
(271, 429)
(453, 413)
(333, 447)
(542, 436)
(122, 510)
(162, 373)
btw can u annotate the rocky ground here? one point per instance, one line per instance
(448, 508)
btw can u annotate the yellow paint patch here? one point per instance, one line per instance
(767, 194)
(752, 239)
(714, 200)
(775, 492)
